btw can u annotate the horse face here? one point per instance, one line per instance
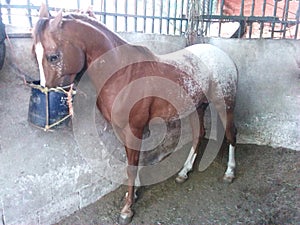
(59, 58)
(58, 65)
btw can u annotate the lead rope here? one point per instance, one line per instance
(70, 101)
(47, 110)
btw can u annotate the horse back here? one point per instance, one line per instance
(211, 68)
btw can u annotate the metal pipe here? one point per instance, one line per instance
(285, 16)
(221, 14)
(161, 16)
(153, 14)
(145, 13)
(252, 14)
(262, 24)
(116, 17)
(297, 21)
(135, 15)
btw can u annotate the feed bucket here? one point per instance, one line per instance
(49, 108)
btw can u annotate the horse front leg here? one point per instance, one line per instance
(198, 135)
(230, 132)
(132, 170)
(230, 171)
(227, 118)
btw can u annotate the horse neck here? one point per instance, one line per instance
(95, 38)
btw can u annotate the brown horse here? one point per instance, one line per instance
(134, 85)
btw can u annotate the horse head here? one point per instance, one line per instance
(60, 58)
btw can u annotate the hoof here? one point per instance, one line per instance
(180, 179)
(125, 218)
(228, 179)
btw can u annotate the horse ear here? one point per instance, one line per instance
(56, 23)
(44, 13)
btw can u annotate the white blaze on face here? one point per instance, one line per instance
(39, 51)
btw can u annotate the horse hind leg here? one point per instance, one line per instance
(127, 212)
(230, 133)
(227, 118)
(133, 154)
(197, 137)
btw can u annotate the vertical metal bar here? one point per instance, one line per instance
(274, 15)
(78, 4)
(9, 12)
(175, 16)
(168, 20)
(116, 17)
(297, 20)
(201, 12)
(29, 13)
(241, 14)
(153, 14)
(285, 17)
(92, 2)
(209, 12)
(242, 8)
(180, 27)
(252, 14)
(135, 15)
(104, 11)
(161, 14)
(145, 14)
(263, 15)
(221, 14)
(126, 15)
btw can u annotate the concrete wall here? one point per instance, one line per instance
(44, 175)
(268, 99)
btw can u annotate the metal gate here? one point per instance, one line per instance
(212, 18)
(256, 18)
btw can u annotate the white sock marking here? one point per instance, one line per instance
(188, 165)
(231, 162)
(39, 51)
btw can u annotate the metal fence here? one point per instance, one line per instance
(257, 18)
(214, 18)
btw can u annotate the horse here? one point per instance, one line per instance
(192, 78)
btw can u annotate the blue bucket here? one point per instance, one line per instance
(49, 108)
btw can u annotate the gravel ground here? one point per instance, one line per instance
(265, 191)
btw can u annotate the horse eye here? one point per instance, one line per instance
(53, 58)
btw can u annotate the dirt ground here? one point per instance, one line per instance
(265, 191)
